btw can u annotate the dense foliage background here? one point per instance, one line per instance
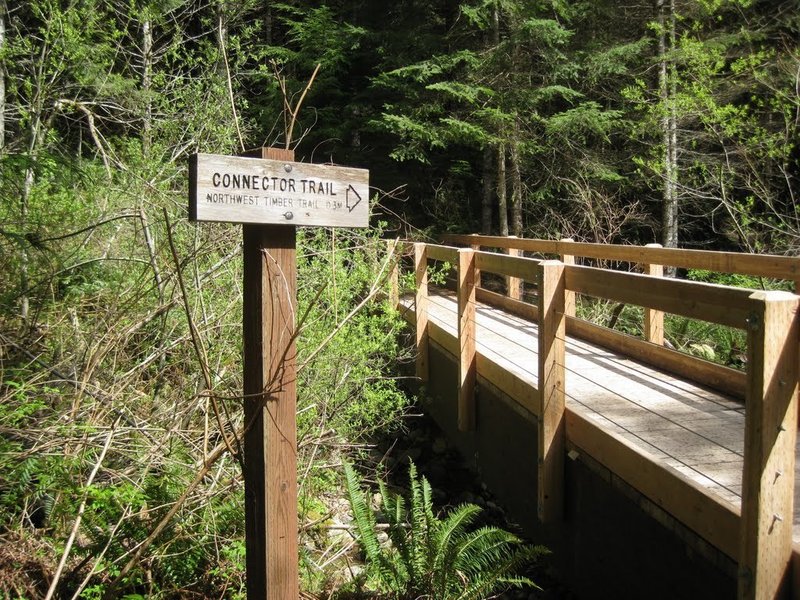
(672, 121)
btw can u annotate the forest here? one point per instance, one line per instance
(668, 121)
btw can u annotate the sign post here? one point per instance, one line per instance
(269, 194)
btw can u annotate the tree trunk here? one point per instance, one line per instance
(516, 185)
(488, 191)
(502, 204)
(147, 84)
(666, 87)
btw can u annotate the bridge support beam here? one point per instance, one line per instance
(552, 420)
(769, 446)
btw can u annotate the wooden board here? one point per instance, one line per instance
(421, 310)
(551, 385)
(770, 440)
(238, 189)
(763, 265)
(270, 442)
(713, 303)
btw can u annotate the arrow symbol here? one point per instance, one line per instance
(357, 198)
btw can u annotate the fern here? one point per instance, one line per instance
(435, 557)
(382, 567)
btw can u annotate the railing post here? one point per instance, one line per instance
(769, 445)
(466, 339)
(476, 248)
(653, 319)
(394, 273)
(552, 433)
(513, 284)
(421, 305)
(569, 297)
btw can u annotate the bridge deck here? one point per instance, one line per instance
(696, 431)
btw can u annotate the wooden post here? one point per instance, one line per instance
(653, 319)
(513, 284)
(421, 272)
(466, 339)
(476, 248)
(394, 273)
(552, 432)
(270, 442)
(769, 446)
(569, 297)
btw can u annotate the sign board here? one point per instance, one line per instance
(254, 190)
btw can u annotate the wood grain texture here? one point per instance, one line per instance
(441, 253)
(467, 366)
(692, 368)
(770, 440)
(392, 252)
(713, 303)
(421, 309)
(552, 432)
(514, 284)
(763, 265)
(569, 296)
(273, 190)
(476, 248)
(653, 319)
(508, 266)
(270, 407)
(270, 472)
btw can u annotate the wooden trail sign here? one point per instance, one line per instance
(236, 189)
(257, 191)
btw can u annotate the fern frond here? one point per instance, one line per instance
(381, 565)
(448, 542)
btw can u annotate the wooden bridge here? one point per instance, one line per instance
(705, 452)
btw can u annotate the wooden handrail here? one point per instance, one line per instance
(443, 253)
(757, 265)
(718, 304)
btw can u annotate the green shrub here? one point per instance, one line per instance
(432, 557)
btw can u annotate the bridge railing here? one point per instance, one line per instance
(770, 319)
(651, 260)
(757, 265)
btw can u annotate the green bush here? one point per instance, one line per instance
(431, 557)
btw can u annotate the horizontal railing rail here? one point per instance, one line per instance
(756, 265)
(770, 383)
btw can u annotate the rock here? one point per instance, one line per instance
(350, 573)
